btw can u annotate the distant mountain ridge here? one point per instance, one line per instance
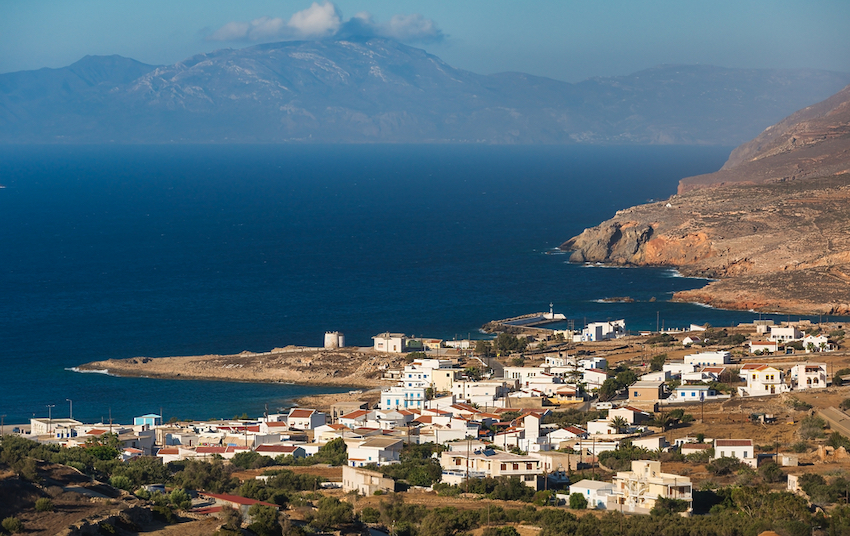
(378, 90)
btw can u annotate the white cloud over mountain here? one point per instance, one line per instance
(321, 21)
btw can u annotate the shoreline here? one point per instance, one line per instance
(347, 367)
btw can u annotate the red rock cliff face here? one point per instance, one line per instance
(772, 224)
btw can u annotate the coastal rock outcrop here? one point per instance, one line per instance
(772, 225)
(350, 367)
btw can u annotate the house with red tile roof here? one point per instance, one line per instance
(305, 419)
(742, 449)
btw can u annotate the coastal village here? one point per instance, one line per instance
(598, 418)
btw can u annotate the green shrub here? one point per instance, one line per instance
(106, 528)
(811, 427)
(800, 447)
(44, 505)
(724, 466)
(577, 501)
(164, 513)
(13, 525)
(370, 515)
(845, 404)
(771, 472)
(180, 499)
(121, 482)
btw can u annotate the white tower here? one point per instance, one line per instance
(334, 339)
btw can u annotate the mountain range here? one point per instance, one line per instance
(378, 90)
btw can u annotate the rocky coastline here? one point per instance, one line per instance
(770, 227)
(348, 367)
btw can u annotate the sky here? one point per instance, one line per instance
(562, 39)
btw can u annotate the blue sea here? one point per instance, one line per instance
(124, 251)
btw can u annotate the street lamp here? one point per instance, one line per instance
(50, 418)
(71, 402)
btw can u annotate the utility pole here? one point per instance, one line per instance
(110, 420)
(50, 418)
(71, 412)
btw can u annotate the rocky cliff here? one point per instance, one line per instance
(771, 226)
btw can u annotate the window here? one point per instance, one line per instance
(504, 466)
(516, 467)
(528, 466)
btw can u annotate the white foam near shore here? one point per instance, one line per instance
(93, 371)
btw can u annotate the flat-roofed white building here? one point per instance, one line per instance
(594, 378)
(399, 397)
(785, 334)
(601, 331)
(595, 491)
(394, 343)
(816, 343)
(374, 449)
(481, 463)
(638, 490)
(770, 347)
(365, 482)
(704, 359)
(677, 369)
(809, 376)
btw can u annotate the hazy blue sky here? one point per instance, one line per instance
(563, 39)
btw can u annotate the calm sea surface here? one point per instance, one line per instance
(114, 252)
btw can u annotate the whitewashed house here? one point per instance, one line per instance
(594, 378)
(402, 397)
(655, 376)
(394, 343)
(770, 347)
(742, 449)
(677, 369)
(763, 380)
(693, 393)
(599, 363)
(305, 419)
(601, 331)
(631, 414)
(595, 491)
(785, 334)
(703, 359)
(809, 376)
(816, 343)
(375, 449)
(638, 490)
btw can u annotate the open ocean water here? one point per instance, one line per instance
(124, 251)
